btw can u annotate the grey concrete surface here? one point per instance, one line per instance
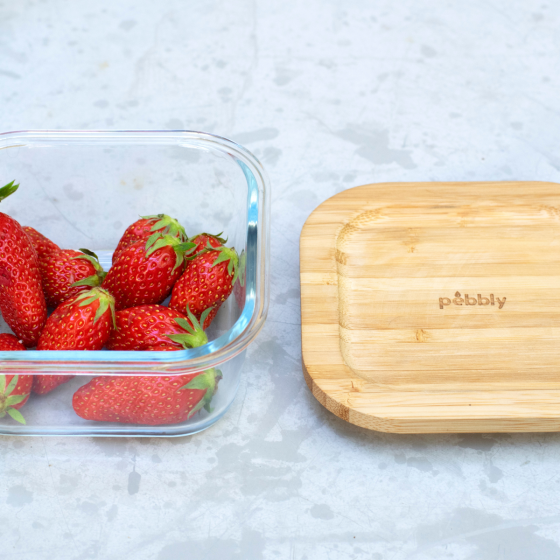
(330, 94)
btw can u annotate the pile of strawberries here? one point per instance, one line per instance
(117, 310)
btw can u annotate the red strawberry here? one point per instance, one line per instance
(21, 296)
(43, 246)
(142, 229)
(207, 282)
(43, 384)
(14, 389)
(68, 273)
(83, 322)
(152, 400)
(145, 274)
(10, 342)
(149, 326)
(202, 241)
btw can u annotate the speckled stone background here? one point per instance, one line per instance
(330, 94)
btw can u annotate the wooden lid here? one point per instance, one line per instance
(435, 307)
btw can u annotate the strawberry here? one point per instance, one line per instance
(43, 384)
(151, 400)
(21, 296)
(83, 322)
(43, 246)
(149, 326)
(14, 389)
(146, 271)
(202, 241)
(142, 229)
(68, 273)
(207, 282)
(9, 342)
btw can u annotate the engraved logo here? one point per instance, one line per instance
(469, 300)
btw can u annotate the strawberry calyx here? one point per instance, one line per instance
(106, 301)
(218, 237)
(227, 254)
(7, 190)
(169, 225)
(8, 401)
(162, 240)
(194, 335)
(97, 278)
(207, 380)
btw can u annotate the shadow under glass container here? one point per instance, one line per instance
(82, 189)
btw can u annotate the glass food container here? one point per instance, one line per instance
(82, 189)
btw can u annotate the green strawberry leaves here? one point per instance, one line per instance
(206, 381)
(227, 254)
(11, 386)
(196, 336)
(152, 239)
(7, 190)
(92, 281)
(181, 248)
(15, 399)
(169, 225)
(8, 401)
(203, 381)
(103, 306)
(97, 278)
(87, 253)
(208, 247)
(106, 301)
(16, 415)
(217, 237)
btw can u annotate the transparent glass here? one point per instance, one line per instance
(82, 189)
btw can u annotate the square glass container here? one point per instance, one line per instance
(82, 189)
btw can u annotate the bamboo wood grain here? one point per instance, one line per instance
(435, 307)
